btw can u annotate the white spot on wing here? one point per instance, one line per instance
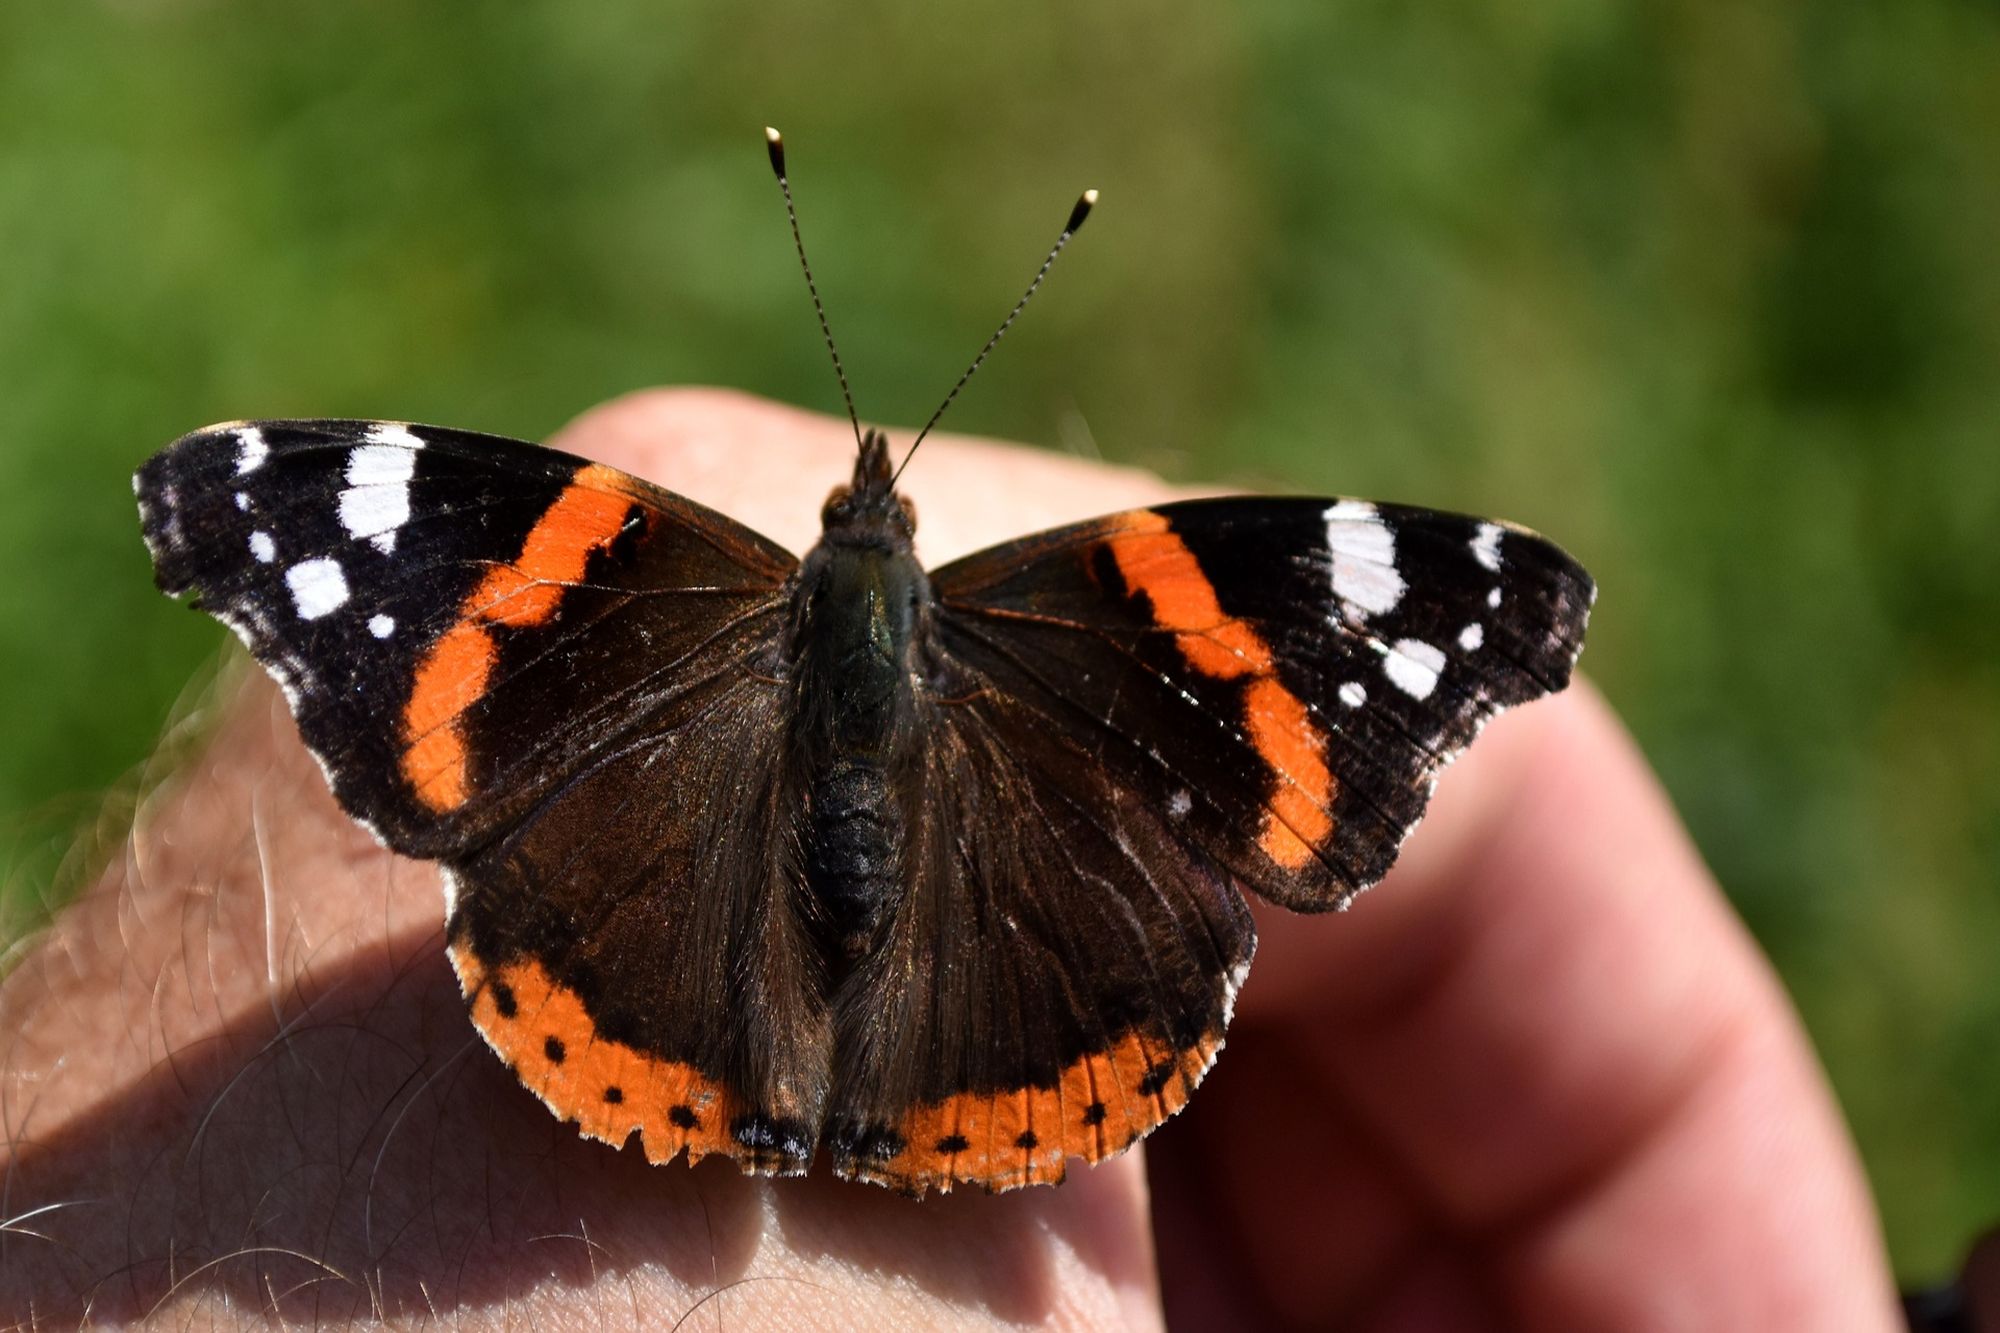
(251, 451)
(318, 587)
(1179, 804)
(1353, 693)
(1412, 666)
(263, 547)
(381, 626)
(373, 510)
(377, 499)
(1472, 636)
(381, 464)
(1486, 546)
(1365, 578)
(1493, 596)
(396, 433)
(243, 501)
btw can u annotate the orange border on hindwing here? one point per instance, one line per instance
(610, 1090)
(1099, 1106)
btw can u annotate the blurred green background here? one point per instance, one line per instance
(1705, 288)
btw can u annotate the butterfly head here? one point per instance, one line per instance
(868, 510)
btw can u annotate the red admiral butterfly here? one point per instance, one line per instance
(939, 872)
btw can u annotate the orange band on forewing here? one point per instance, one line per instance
(449, 679)
(1283, 733)
(1152, 559)
(609, 1089)
(584, 519)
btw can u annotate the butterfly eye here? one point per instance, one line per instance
(838, 506)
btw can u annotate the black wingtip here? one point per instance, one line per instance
(774, 143)
(1085, 202)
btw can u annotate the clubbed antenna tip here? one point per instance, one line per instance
(774, 143)
(1084, 204)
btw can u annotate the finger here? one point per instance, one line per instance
(1547, 969)
(1548, 1021)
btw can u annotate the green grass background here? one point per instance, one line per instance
(1706, 288)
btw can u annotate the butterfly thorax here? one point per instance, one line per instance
(861, 605)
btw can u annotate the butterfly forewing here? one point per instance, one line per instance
(458, 619)
(1284, 678)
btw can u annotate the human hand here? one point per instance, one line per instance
(1540, 1077)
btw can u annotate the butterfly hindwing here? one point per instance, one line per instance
(1059, 973)
(634, 947)
(458, 619)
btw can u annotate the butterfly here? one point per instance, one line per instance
(938, 873)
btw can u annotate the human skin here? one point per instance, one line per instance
(1539, 1078)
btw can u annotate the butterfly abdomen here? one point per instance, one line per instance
(854, 852)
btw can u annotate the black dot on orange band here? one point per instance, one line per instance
(614, 1094)
(1156, 1078)
(553, 1048)
(953, 1143)
(683, 1117)
(1093, 1114)
(1027, 1140)
(503, 1000)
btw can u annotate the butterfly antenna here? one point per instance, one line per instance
(775, 142)
(1084, 204)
